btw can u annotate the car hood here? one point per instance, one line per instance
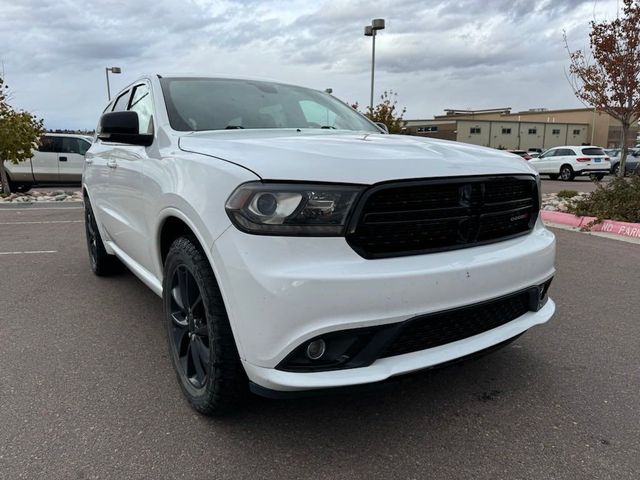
(349, 157)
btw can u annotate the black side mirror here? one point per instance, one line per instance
(122, 127)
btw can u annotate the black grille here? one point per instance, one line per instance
(441, 328)
(414, 217)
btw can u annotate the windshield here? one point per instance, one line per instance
(195, 104)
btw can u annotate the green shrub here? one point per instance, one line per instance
(618, 199)
(567, 193)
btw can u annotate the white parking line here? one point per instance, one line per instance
(29, 252)
(44, 221)
(27, 209)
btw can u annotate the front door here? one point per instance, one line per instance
(71, 158)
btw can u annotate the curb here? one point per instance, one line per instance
(613, 227)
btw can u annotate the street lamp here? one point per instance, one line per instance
(370, 31)
(112, 70)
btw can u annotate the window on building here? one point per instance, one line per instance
(577, 131)
(506, 131)
(475, 130)
(555, 131)
(533, 131)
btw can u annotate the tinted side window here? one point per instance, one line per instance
(548, 154)
(74, 145)
(141, 102)
(569, 152)
(121, 103)
(50, 144)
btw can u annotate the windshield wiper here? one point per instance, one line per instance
(234, 127)
(328, 127)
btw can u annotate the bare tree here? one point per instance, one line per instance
(609, 78)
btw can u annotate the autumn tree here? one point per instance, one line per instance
(608, 78)
(386, 112)
(19, 135)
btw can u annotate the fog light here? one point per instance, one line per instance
(316, 349)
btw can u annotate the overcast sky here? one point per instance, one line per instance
(435, 54)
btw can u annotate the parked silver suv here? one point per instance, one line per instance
(58, 160)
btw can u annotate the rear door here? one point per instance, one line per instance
(71, 158)
(45, 160)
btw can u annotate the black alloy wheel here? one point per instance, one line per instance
(101, 262)
(201, 343)
(189, 334)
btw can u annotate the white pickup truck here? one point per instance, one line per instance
(58, 160)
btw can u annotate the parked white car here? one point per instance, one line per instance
(58, 160)
(568, 162)
(297, 247)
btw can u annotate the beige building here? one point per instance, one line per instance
(531, 129)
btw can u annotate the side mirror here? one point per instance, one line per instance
(122, 127)
(382, 126)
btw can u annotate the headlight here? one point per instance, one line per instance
(292, 209)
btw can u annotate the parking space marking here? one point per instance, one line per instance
(26, 209)
(42, 222)
(29, 252)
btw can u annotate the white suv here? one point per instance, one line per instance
(297, 247)
(568, 162)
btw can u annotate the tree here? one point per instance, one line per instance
(609, 78)
(386, 112)
(19, 134)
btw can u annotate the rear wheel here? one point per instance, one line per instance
(101, 262)
(566, 173)
(201, 344)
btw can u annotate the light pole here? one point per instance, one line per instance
(370, 31)
(106, 72)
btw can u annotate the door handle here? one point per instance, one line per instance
(112, 164)
(62, 159)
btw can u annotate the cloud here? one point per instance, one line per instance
(435, 54)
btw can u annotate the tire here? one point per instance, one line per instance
(616, 169)
(553, 176)
(201, 344)
(20, 187)
(102, 264)
(566, 173)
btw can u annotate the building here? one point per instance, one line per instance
(532, 129)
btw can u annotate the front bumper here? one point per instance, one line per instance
(283, 291)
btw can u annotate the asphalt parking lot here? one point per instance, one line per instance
(579, 184)
(87, 389)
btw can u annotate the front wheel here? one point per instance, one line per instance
(20, 187)
(616, 170)
(566, 173)
(201, 344)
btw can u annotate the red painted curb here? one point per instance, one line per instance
(624, 229)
